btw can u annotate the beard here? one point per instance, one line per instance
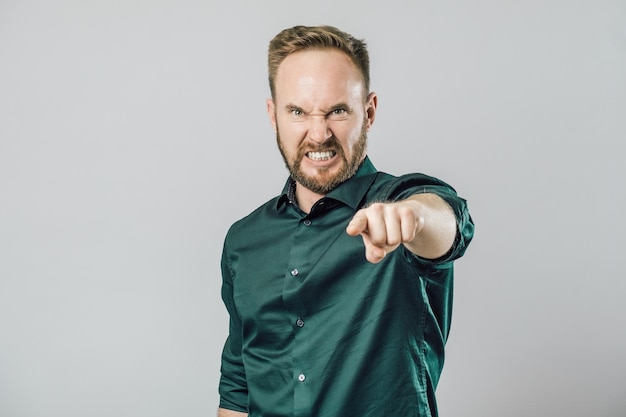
(325, 181)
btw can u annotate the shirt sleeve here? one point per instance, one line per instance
(411, 184)
(233, 388)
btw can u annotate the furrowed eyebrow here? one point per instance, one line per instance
(291, 107)
(339, 106)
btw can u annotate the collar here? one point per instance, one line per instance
(349, 192)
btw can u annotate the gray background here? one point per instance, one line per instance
(133, 133)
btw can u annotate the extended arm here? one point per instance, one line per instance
(424, 223)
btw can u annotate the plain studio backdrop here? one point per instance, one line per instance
(133, 133)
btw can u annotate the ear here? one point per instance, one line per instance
(271, 112)
(370, 109)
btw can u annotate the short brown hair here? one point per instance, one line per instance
(298, 38)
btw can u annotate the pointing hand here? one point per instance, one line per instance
(384, 226)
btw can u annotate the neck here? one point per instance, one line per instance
(306, 198)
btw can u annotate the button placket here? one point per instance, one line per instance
(298, 268)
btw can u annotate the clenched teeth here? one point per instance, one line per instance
(320, 156)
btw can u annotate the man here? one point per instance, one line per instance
(339, 290)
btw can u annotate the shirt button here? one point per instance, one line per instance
(301, 377)
(307, 222)
(295, 272)
(300, 322)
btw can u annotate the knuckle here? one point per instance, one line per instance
(377, 208)
(405, 211)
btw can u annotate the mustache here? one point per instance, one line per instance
(330, 144)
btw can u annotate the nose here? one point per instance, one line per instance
(319, 131)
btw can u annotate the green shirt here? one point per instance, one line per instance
(315, 329)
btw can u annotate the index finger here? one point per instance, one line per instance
(357, 225)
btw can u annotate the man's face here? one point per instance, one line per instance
(321, 117)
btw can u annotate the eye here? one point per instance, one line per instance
(296, 112)
(340, 113)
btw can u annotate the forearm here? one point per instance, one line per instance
(436, 229)
(222, 412)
